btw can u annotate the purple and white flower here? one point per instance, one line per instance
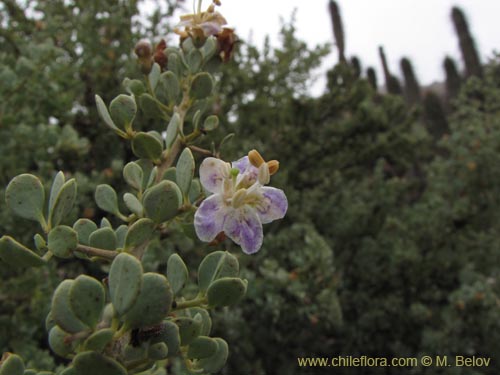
(239, 203)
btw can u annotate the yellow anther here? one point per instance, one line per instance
(255, 158)
(273, 165)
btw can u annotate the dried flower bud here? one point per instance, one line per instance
(226, 40)
(159, 57)
(143, 49)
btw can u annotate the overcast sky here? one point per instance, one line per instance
(418, 29)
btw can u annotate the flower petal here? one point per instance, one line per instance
(273, 204)
(243, 226)
(248, 173)
(209, 218)
(213, 172)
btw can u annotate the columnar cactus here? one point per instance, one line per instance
(468, 48)
(372, 77)
(338, 29)
(391, 82)
(136, 321)
(453, 80)
(411, 88)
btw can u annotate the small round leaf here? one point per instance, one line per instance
(177, 272)
(25, 196)
(125, 281)
(226, 291)
(93, 363)
(162, 201)
(17, 255)
(152, 304)
(106, 199)
(62, 241)
(216, 265)
(87, 299)
(145, 145)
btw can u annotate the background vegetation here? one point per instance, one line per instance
(390, 247)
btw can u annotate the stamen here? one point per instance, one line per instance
(255, 158)
(273, 165)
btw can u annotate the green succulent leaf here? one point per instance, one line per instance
(17, 255)
(226, 291)
(133, 204)
(93, 363)
(174, 125)
(202, 347)
(84, 228)
(139, 233)
(12, 365)
(63, 202)
(154, 76)
(104, 238)
(216, 265)
(104, 114)
(133, 175)
(57, 342)
(177, 272)
(57, 184)
(25, 196)
(171, 86)
(87, 298)
(204, 319)
(185, 170)
(170, 174)
(147, 146)
(150, 106)
(194, 60)
(61, 309)
(153, 303)
(162, 201)
(125, 281)
(216, 362)
(134, 87)
(123, 110)
(201, 86)
(99, 339)
(169, 334)
(158, 351)
(62, 241)
(211, 123)
(189, 329)
(106, 199)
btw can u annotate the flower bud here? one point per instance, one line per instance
(143, 50)
(159, 57)
(255, 158)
